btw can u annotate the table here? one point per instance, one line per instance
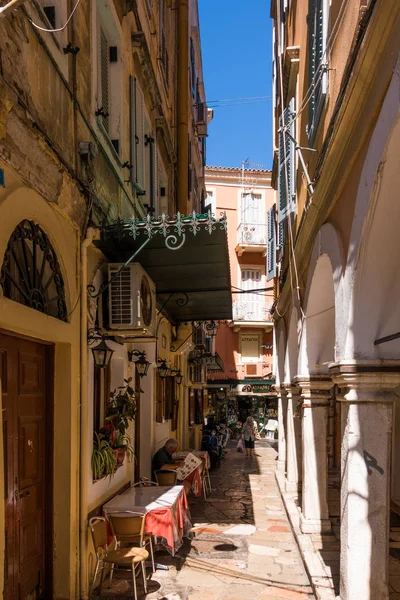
(195, 477)
(166, 509)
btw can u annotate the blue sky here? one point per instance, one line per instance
(237, 62)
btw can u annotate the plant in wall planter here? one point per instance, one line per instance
(121, 411)
(103, 458)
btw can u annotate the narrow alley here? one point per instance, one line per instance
(243, 546)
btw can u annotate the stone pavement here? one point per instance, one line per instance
(243, 546)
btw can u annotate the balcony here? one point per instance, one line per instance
(251, 237)
(254, 313)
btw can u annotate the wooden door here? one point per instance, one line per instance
(27, 438)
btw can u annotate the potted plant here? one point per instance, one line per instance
(120, 412)
(103, 458)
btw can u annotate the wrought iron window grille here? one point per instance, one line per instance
(31, 273)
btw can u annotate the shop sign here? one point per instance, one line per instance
(256, 388)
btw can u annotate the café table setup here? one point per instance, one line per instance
(166, 509)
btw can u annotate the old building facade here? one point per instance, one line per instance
(245, 344)
(336, 115)
(102, 126)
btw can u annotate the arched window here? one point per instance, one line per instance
(31, 273)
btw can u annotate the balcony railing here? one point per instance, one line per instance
(251, 311)
(252, 234)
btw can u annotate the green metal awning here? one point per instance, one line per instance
(186, 257)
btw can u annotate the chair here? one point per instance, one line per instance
(132, 557)
(144, 482)
(165, 477)
(129, 530)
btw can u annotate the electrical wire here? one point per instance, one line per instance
(292, 261)
(320, 70)
(60, 28)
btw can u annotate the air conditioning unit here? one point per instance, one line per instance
(131, 299)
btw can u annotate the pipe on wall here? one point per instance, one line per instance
(183, 105)
(84, 440)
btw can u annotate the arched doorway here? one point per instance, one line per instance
(30, 275)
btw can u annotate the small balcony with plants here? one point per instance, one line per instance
(251, 237)
(255, 312)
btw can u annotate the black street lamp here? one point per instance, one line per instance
(102, 355)
(212, 328)
(141, 364)
(178, 376)
(163, 369)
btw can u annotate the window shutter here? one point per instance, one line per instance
(132, 127)
(193, 68)
(316, 48)
(154, 176)
(140, 160)
(104, 77)
(271, 249)
(286, 169)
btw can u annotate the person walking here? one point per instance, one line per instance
(249, 436)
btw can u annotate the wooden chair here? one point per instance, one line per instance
(165, 477)
(125, 557)
(129, 531)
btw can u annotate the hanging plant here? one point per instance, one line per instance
(120, 412)
(103, 458)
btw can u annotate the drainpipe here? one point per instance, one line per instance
(183, 105)
(84, 441)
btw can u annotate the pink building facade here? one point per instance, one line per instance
(244, 344)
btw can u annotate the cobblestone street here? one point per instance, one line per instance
(243, 545)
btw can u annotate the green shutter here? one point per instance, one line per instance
(286, 171)
(132, 128)
(316, 46)
(104, 77)
(271, 248)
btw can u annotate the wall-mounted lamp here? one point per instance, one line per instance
(178, 376)
(163, 369)
(102, 353)
(141, 364)
(211, 328)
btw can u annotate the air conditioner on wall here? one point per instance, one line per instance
(131, 299)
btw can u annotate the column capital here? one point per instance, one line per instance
(366, 380)
(280, 389)
(315, 390)
(291, 387)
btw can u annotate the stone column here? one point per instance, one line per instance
(282, 420)
(315, 392)
(367, 417)
(293, 440)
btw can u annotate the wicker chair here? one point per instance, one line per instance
(132, 557)
(129, 531)
(165, 477)
(144, 482)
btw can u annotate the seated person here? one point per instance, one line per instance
(163, 457)
(163, 460)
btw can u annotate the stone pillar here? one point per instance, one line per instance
(367, 417)
(293, 441)
(315, 392)
(282, 420)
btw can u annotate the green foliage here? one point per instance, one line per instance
(120, 412)
(103, 458)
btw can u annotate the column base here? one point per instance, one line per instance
(281, 466)
(292, 487)
(315, 525)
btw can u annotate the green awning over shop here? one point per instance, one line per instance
(186, 257)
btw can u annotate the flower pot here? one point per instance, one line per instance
(119, 455)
